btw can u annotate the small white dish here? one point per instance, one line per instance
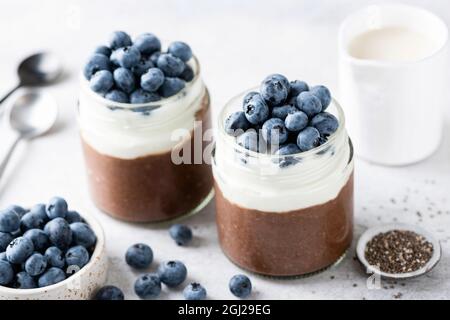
(80, 286)
(372, 232)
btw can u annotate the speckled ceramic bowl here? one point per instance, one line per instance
(82, 285)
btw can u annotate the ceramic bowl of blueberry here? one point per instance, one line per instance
(49, 252)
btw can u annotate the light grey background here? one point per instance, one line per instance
(238, 44)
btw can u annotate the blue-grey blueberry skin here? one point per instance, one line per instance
(324, 95)
(180, 50)
(36, 218)
(96, 62)
(152, 80)
(117, 96)
(187, 74)
(73, 216)
(39, 238)
(308, 138)
(274, 90)
(170, 65)
(83, 235)
(141, 96)
(181, 233)
(298, 87)
(148, 286)
(23, 280)
(142, 67)
(326, 123)
(281, 78)
(19, 250)
(249, 140)
(240, 286)
(50, 277)
(296, 121)
(172, 273)
(5, 240)
(119, 39)
(9, 221)
(101, 81)
(56, 208)
(124, 80)
(285, 152)
(59, 232)
(309, 104)
(55, 257)
(255, 108)
(36, 264)
(77, 256)
(154, 57)
(17, 209)
(147, 43)
(6, 273)
(126, 57)
(139, 256)
(194, 291)
(274, 131)
(104, 50)
(236, 124)
(171, 86)
(282, 112)
(109, 293)
(3, 257)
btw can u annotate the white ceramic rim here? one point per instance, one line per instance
(371, 232)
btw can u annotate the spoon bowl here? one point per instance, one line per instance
(39, 69)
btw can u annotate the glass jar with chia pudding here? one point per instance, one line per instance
(283, 213)
(144, 160)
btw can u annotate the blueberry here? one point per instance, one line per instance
(172, 273)
(124, 80)
(95, 63)
(148, 286)
(119, 39)
(139, 256)
(3, 257)
(180, 50)
(298, 87)
(126, 57)
(142, 67)
(274, 90)
(283, 111)
(109, 293)
(280, 78)
(170, 65)
(309, 104)
(288, 149)
(274, 131)
(154, 57)
(36, 218)
(296, 121)
(6, 273)
(77, 256)
(249, 140)
(181, 233)
(23, 280)
(171, 86)
(147, 43)
(326, 123)
(9, 221)
(59, 233)
(117, 96)
(104, 50)
(248, 97)
(255, 108)
(187, 74)
(142, 96)
(308, 139)
(39, 238)
(152, 80)
(18, 210)
(56, 208)
(19, 250)
(240, 285)
(55, 257)
(73, 216)
(101, 81)
(194, 291)
(236, 124)
(83, 235)
(36, 264)
(5, 239)
(52, 276)
(324, 95)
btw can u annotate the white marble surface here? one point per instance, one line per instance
(238, 43)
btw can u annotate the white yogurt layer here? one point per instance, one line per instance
(112, 129)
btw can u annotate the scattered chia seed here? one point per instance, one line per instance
(398, 295)
(398, 251)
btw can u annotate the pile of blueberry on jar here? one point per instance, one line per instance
(43, 246)
(136, 72)
(283, 118)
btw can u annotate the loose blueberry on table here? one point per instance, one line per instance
(240, 286)
(194, 291)
(182, 234)
(44, 245)
(136, 72)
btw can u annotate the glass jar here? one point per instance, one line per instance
(284, 215)
(145, 162)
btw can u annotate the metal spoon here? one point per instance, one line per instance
(37, 70)
(30, 116)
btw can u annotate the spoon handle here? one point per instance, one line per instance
(6, 96)
(9, 154)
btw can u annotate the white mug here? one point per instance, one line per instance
(394, 109)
